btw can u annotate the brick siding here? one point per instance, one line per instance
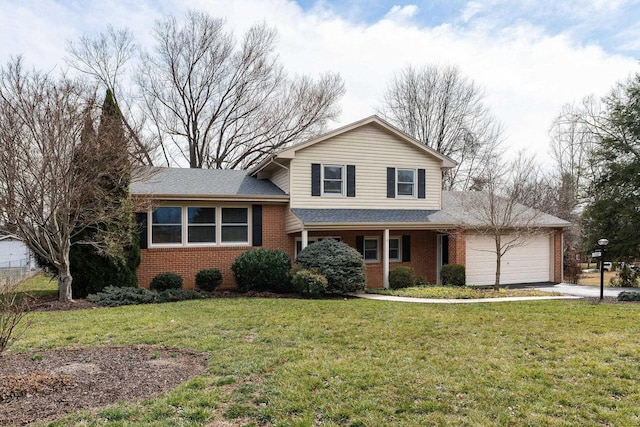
(188, 260)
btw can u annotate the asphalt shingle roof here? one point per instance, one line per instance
(183, 182)
(456, 211)
(310, 216)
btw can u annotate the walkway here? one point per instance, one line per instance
(569, 292)
(458, 301)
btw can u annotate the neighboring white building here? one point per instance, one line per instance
(14, 253)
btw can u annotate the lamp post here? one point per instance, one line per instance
(602, 243)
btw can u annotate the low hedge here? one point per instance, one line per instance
(112, 296)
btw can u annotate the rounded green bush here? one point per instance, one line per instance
(342, 265)
(262, 270)
(309, 283)
(208, 279)
(401, 277)
(165, 281)
(453, 275)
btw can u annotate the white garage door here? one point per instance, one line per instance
(529, 263)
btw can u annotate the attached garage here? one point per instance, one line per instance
(529, 263)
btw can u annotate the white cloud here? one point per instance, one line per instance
(402, 13)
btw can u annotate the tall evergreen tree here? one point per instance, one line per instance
(614, 212)
(106, 150)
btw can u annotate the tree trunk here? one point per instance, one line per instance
(64, 284)
(496, 285)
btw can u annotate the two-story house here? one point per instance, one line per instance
(366, 184)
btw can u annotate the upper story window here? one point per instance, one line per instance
(333, 179)
(201, 225)
(406, 182)
(166, 225)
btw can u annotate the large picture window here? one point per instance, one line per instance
(333, 179)
(201, 225)
(406, 182)
(166, 225)
(235, 225)
(195, 225)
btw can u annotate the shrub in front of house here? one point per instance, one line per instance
(452, 275)
(342, 265)
(401, 277)
(262, 270)
(309, 283)
(208, 279)
(165, 281)
(112, 296)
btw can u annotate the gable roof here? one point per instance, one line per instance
(193, 184)
(289, 153)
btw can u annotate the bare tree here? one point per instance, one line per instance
(497, 211)
(573, 141)
(44, 184)
(445, 110)
(218, 105)
(104, 57)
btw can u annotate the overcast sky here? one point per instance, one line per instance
(530, 56)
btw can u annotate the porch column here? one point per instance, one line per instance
(305, 238)
(385, 258)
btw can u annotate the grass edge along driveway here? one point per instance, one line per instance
(369, 363)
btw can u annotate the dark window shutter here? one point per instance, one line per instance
(360, 244)
(351, 180)
(391, 183)
(256, 227)
(143, 233)
(315, 179)
(406, 248)
(421, 183)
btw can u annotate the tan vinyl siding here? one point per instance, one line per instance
(371, 150)
(292, 223)
(280, 177)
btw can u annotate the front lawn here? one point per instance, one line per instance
(459, 292)
(354, 362)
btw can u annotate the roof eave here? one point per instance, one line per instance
(213, 198)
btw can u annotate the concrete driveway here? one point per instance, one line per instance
(584, 291)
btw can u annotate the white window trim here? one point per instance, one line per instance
(364, 249)
(415, 175)
(186, 221)
(343, 180)
(185, 227)
(150, 225)
(219, 232)
(399, 239)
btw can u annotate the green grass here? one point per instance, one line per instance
(459, 292)
(39, 285)
(288, 362)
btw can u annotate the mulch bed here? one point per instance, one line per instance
(46, 385)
